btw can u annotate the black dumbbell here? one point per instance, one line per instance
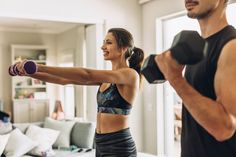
(29, 66)
(188, 48)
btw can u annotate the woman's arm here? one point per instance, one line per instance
(50, 78)
(83, 76)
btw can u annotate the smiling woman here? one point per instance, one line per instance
(117, 91)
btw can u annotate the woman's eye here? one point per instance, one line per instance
(107, 42)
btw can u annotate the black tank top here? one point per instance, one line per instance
(195, 140)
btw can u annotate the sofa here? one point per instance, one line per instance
(51, 138)
(54, 138)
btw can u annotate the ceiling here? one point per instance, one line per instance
(39, 26)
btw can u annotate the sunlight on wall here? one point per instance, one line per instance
(231, 14)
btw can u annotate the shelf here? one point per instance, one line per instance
(29, 95)
(26, 87)
(29, 99)
(40, 61)
(35, 86)
(37, 61)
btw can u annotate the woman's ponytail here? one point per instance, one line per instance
(135, 59)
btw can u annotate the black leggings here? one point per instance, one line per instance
(117, 144)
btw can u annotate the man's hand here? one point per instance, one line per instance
(169, 67)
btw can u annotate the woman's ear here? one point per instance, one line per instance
(124, 49)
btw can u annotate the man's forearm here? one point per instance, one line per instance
(210, 114)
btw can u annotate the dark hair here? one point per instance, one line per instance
(134, 55)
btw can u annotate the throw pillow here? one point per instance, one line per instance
(24, 126)
(44, 137)
(64, 127)
(5, 128)
(83, 134)
(18, 144)
(3, 142)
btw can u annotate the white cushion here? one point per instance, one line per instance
(5, 128)
(3, 142)
(44, 137)
(64, 127)
(18, 144)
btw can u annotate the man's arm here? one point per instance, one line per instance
(217, 117)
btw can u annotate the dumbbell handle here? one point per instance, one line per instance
(153, 67)
(30, 68)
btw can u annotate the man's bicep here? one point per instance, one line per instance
(225, 78)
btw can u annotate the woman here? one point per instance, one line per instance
(116, 94)
(58, 113)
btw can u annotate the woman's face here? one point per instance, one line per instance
(110, 49)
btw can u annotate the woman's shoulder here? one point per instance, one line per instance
(130, 71)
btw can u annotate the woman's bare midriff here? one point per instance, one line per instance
(107, 123)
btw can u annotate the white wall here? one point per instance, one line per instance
(1, 74)
(116, 13)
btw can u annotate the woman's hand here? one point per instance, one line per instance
(20, 67)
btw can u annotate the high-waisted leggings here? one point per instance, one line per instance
(116, 144)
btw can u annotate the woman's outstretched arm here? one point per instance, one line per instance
(54, 79)
(84, 76)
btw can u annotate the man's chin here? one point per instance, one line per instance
(192, 15)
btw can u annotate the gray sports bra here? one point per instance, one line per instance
(110, 101)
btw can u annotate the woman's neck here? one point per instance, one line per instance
(119, 64)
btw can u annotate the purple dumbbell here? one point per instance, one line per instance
(29, 66)
(13, 71)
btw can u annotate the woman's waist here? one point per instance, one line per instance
(113, 110)
(107, 123)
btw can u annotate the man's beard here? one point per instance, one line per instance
(199, 15)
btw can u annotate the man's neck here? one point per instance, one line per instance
(213, 23)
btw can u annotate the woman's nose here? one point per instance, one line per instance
(103, 47)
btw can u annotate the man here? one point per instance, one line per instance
(208, 88)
